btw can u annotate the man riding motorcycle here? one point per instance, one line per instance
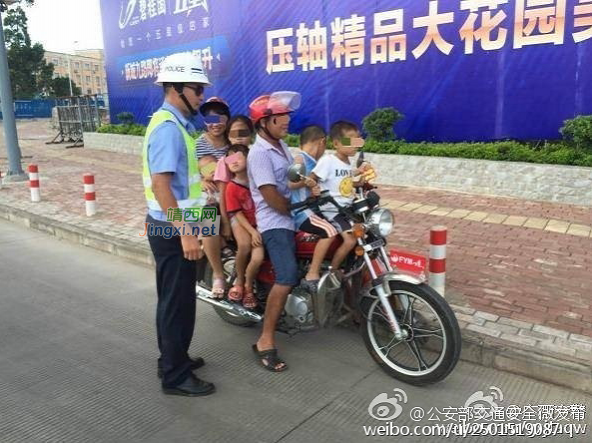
(408, 328)
(268, 162)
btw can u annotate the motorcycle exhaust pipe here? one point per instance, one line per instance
(205, 295)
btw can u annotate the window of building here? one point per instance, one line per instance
(89, 91)
(76, 65)
(56, 62)
(96, 67)
(78, 79)
(98, 79)
(88, 79)
(86, 66)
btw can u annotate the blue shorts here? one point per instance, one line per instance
(281, 247)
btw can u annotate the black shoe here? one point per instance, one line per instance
(191, 387)
(195, 364)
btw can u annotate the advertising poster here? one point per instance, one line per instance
(457, 69)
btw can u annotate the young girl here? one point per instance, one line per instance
(241, 210)
(239, 131)
(213, 142)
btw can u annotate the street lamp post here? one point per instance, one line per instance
(70, 73)
(15, 172)
(70, 67)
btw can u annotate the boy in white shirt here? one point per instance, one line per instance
(335, 173)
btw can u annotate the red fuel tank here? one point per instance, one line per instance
(305, 245)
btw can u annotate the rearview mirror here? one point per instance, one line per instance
(296, 172)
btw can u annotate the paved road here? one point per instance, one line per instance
(78, 363)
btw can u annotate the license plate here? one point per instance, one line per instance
(406, 261)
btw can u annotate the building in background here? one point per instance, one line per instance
(86, 68)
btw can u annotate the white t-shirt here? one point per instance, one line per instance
(335, 176)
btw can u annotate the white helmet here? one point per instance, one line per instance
(182, 67)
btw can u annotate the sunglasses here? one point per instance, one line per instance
(197, 89)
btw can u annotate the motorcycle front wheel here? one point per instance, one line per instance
(432, 347)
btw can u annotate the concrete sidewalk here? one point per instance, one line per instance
(518, 271)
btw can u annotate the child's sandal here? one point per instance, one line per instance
(218, 288)
(249, 300)
(235, 294)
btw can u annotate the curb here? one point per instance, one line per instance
(478, 348)
(550, 368)
(101, 242)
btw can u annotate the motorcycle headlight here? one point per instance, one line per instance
(381, 222)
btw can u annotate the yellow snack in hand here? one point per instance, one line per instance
(369, 174)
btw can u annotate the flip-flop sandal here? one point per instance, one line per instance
(272, 359)
(219, 288)
(236, 293)
(249, 300)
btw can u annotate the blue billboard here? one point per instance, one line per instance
(457, 69)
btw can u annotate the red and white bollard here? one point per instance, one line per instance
(437, 279)
(89, 194)
(34, 183)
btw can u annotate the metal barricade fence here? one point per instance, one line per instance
(77, 115)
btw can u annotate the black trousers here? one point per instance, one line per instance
(175, 312)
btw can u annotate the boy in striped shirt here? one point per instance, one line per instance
(313, 142)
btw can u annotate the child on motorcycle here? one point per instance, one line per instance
(239, 131)
(241, 210)
(313, 142)
(207, 167)
(336, 174)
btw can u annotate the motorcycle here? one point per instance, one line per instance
(407, 327)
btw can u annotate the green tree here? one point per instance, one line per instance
(578, 132)
(30, 75)
(45, 79)
(61, 88)
(380, 122)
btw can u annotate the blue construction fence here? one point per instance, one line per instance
(38, 108)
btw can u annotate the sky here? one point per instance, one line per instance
(59, 27)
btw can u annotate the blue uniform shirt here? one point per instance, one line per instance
(167, 152)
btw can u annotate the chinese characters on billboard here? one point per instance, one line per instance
(457, 69)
